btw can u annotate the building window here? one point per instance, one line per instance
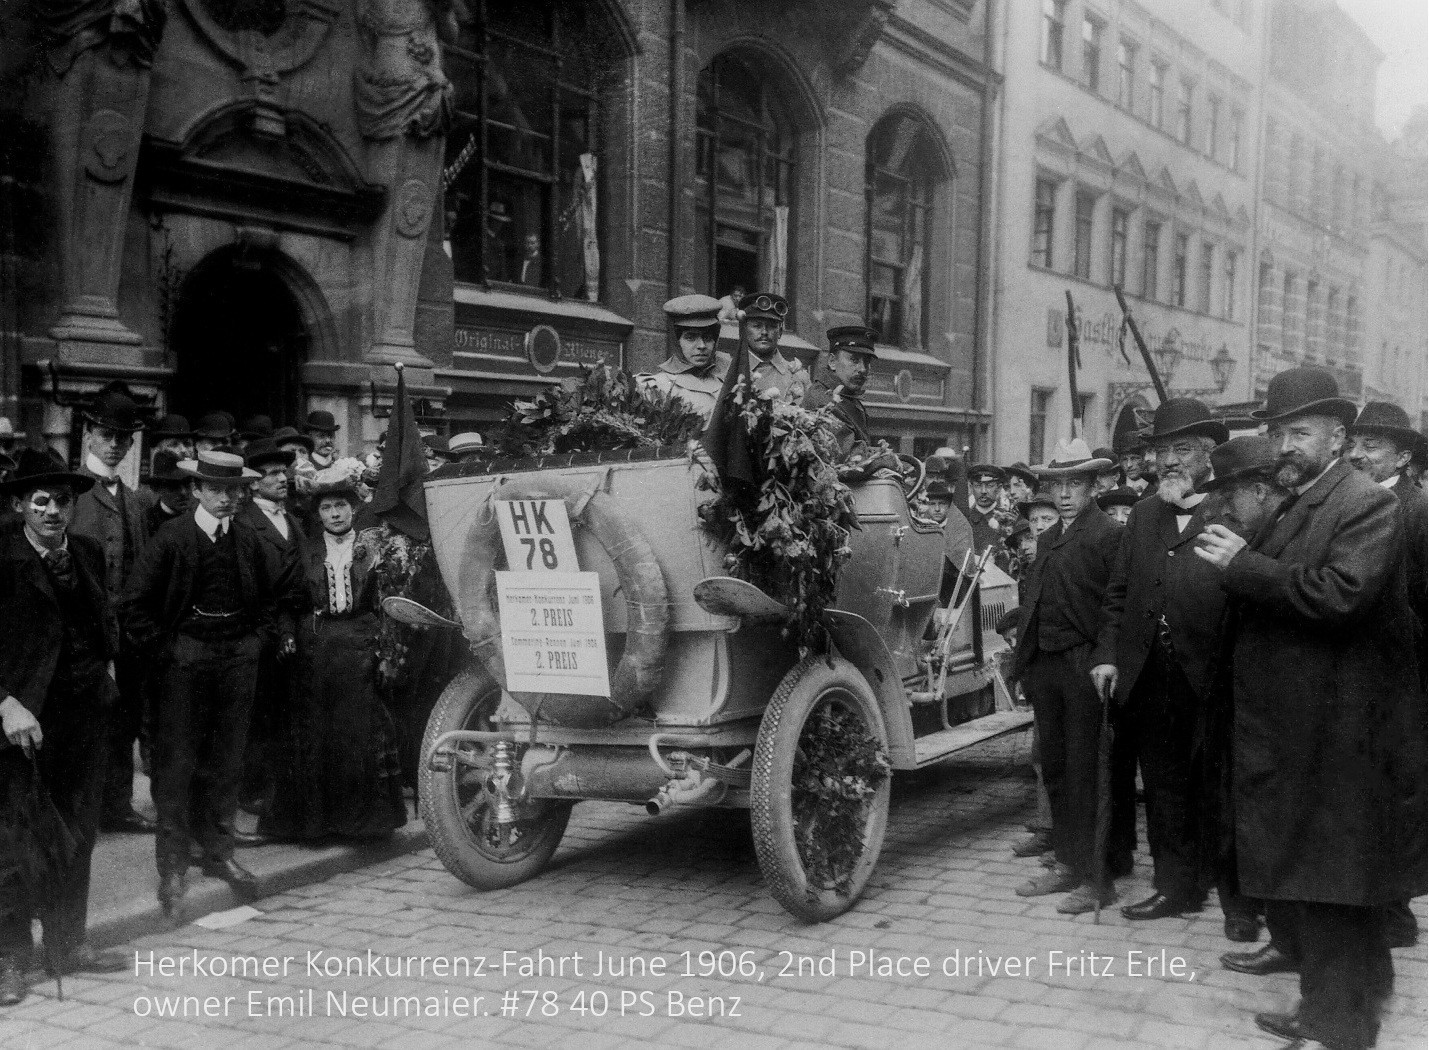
(1054, 24)
(1183, 112)
(1213, 124)
(524, 144)
(1333, 327)
(1091, 53)
(1044, 214)
(1150, 258)
(1037, 425)
(1294, 173)
(1125, 74)
(1232, 258)
(1208, 259)
(1233, 138)
(1082, 258)
(901, 173)
(744, 173)
(1156, 89)
(1120, 221)
(1178, 269)
(1287, 316)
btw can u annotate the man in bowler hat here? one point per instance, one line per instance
(172, 434)
(1329, 773)
(761, 323)
(695, 370)
(1156, 657)
(842, 381)
(113, 515)
(322, 427)
(55, 691)
(201, 603)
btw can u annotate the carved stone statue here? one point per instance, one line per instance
(401, 89)
(70, 27)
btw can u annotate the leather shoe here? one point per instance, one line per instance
(249, 839)
(13, 987)
(233, 873)
(1241, 928)
(1267, 960)
(1034, 845)
(86, 959)
(1287, 1026)
(131, 823)
(1158, 906)
(172, 888)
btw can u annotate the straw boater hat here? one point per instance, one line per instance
(464, 443)
(1070, 459)
(1241, 458)
(221, 465)
(1305, 392)
(37, 469)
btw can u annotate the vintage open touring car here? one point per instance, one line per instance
(683, 690)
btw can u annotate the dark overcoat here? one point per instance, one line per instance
(1329, 776)
(283, 555)
(118, 524)
(1157, 573)
(849, 411)
(1414, 516)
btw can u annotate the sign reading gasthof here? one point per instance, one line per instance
(552, 632)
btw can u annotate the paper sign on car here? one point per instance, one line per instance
(553, 632)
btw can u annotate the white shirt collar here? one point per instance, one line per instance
(1301, 490)
(107, 474)
(1390, 481)
(40, 548)
(272, 508)
(208, 522)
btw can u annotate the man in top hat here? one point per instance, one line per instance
(761, 323)
(1021, 482)
(322, 428)
(840, 384)
(172, 434)
(55, 690)
(113, 515)
(200, 604)
(984, 480)
(170, 489)
(695, 370)
(1156, 657)
(214, 430)
(1061, 616)
(1329, 766)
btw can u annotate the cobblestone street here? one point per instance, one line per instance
(680, 945)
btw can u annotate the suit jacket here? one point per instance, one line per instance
(1414, 516)
(29, 609)
(122, 537)
(1157, 573)
(849, 411)
(1082, 557)
(160, 591)
(284, 554)
(1329, 764)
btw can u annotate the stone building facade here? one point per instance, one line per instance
(1127, 156)
(260, 205)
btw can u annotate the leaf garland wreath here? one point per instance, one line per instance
(788, 537)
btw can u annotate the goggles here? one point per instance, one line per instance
(778, 307)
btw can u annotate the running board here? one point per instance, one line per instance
(945, 742)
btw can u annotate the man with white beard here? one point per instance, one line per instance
(1155, 657)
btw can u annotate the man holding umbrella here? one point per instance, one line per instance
(55, 689)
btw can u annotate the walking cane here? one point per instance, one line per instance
(1103, 825)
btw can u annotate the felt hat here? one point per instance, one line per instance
(767, 305)
(464, 443)
(1106, 454)
(938, 488)
(37, 468)
(266, 450)
(1387, 418)
(8, 431)
(216, 426)
(255, 427)
(1039, 499)
(855, 338)
(171, 426)
(1023, 471)
(1184, 417)
(115, 409)
(344, 486)
(1071, 458)
(222, 465)
(1021, 527)
(321, 420)
(1121, 496)
(1251, 456)
(1305, 391)
(1126, 433)
(693, 311)
(986, 472)
(292, 436)
(165, 469)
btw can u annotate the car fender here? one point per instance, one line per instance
(861, 645)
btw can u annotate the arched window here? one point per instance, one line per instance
(744, 173)
(903, 169)
(522, 167)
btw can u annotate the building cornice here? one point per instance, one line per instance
(918, 43)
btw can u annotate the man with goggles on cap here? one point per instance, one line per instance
(761, 323)
(695, 370)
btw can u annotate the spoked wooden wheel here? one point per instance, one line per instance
(458, 811)
(819, 798)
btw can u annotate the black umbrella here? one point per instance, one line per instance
(1103, 826)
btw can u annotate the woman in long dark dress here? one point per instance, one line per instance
(339, 774)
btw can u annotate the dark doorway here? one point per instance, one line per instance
(239, 339)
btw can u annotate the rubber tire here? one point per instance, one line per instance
(468, 702)
(771, 792)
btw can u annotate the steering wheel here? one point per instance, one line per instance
(915, 472)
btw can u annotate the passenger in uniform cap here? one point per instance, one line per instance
(173, 434)
(695, 370)
(466, 448)
(213, 430)
(1040, 512)
(1118, 502)
(1021, 482)
(1329, 716)
(322, 427)
(761, 323)
(841, 381)
(112, 514)
(984, 480)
